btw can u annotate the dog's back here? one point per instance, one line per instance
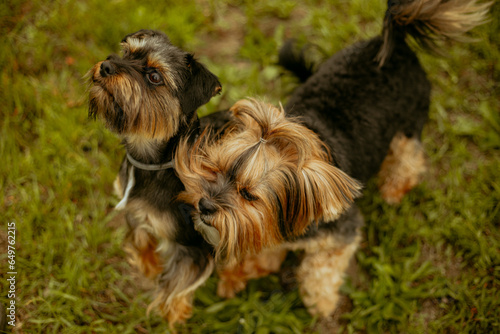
(361, 97)
(357, 108)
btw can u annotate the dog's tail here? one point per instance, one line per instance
(295, 60)
(429, 21)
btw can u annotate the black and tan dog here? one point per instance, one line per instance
(284, 179)
(149, 97)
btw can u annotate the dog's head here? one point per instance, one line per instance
(264, 182)
(152, 89)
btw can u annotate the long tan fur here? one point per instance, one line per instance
(276, 160)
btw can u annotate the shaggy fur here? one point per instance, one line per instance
(149, 97)
(270, 174)
(285, 179)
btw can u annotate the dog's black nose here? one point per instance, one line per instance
(107, 69)
(206, 207)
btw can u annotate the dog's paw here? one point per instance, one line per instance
(230, 284)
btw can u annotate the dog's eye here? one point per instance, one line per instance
(247, 195)
(155, 78)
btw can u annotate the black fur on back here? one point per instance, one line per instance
(356, 107)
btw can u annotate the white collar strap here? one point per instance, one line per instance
(151, 167)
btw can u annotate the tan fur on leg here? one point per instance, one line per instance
(142, 252)
(147, 227)
(402, 168)
(321, 274)
(178, 310)
(234, 279)
(180, 278)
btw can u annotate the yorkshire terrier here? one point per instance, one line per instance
(285, 179)
(256, 193)
(149, 97)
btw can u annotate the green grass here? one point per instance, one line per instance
(429, 265)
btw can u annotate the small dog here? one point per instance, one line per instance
(256, 193)
(274, 183)
(149, 97)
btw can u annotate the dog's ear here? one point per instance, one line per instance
(324, 192)
(309, 188)
(200, 86)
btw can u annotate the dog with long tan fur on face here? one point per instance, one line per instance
(259, 189)
(285, 179)
(270, 175)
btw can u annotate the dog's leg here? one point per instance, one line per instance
(402, 168)
(234, 279)
(321, 274)
(141, 248)
(185, 269)
(151, 231)
(177, 270)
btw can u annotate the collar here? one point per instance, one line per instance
(152, 167)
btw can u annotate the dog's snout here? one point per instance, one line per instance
(206, 207)
(107, 69)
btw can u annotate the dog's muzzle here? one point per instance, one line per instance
(206, 209)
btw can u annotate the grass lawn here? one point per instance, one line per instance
(428, 265)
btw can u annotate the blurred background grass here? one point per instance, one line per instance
(429, 265)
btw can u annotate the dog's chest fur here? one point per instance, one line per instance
(157, 189)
